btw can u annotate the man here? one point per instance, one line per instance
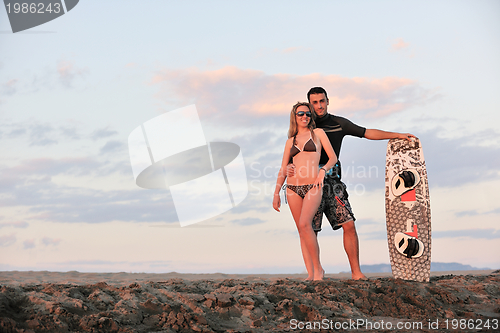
(335, 204)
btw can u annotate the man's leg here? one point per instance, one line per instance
(343, 217)
(351, 247)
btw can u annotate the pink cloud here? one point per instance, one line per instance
(293, 49)
(29, 243)
(399, 44)
(255, 93)
(7, 240)
(68, 72)
(8, 88)
(50, 241)
(18, 224)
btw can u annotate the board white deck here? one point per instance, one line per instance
(408, 215)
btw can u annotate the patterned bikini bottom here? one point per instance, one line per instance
(301, 190)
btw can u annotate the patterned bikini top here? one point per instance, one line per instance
(309, 146)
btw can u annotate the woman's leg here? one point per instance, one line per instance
(295, 204)
(310, 205)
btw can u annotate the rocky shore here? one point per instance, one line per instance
(445, 304)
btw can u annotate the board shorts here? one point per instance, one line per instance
(334, 203)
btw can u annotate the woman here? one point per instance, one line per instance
(304, 189)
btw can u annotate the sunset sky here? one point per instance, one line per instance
(73, 89)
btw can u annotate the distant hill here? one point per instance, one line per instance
(380, 268)
(435, 267)
(453, 266)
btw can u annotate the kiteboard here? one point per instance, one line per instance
(408, 213)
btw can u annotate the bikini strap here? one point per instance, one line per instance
(284, 192)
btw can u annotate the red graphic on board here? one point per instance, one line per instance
(414, 233)
(409, 196)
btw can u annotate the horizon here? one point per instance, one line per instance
(73, 89)
(373, 268)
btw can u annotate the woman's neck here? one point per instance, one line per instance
(303, 130)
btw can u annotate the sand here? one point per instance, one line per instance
(174, 302)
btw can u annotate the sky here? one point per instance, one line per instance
(73, 89)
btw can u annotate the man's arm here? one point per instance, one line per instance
(375, 134)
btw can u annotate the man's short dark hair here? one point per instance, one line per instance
(316, 90)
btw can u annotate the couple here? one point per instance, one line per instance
(313, 174)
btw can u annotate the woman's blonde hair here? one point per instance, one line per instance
(292, 130)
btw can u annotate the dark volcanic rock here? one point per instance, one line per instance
(240, 306)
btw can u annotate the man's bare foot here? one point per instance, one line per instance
(320, 276)
(360, 276)
(309, 278)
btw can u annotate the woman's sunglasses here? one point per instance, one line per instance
(301, 113)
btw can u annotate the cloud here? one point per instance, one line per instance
(7, 240)
(67, 73)
(476, 213)
(262, 164)
(369, 229)
(112, 146)
(402, 48)
(91, 263)
(399, 44)
(50, 241)
(29, 184)
(26, 182)
(240, 95)
(107, 207)
(64, 73)
(48, 167)
(65, 204)
(455, 162)
(285, 52)
(248, 221)
(467, 213)
(102, 133)
(43, 134)
(292, 49)
(469, 233)
(381, 234)
(8, 88)
(69, 133)
(29, 244)
(97, 264)
(378, 234)
(17, 133)
(19, 224)
(40, 135)
(450, 162)
(258, 201)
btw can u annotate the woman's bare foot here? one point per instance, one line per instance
(309, 278)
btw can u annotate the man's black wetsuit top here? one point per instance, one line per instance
(334, 202)
(336, 128)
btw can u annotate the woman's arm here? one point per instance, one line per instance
(327, 146)
(281, 175)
